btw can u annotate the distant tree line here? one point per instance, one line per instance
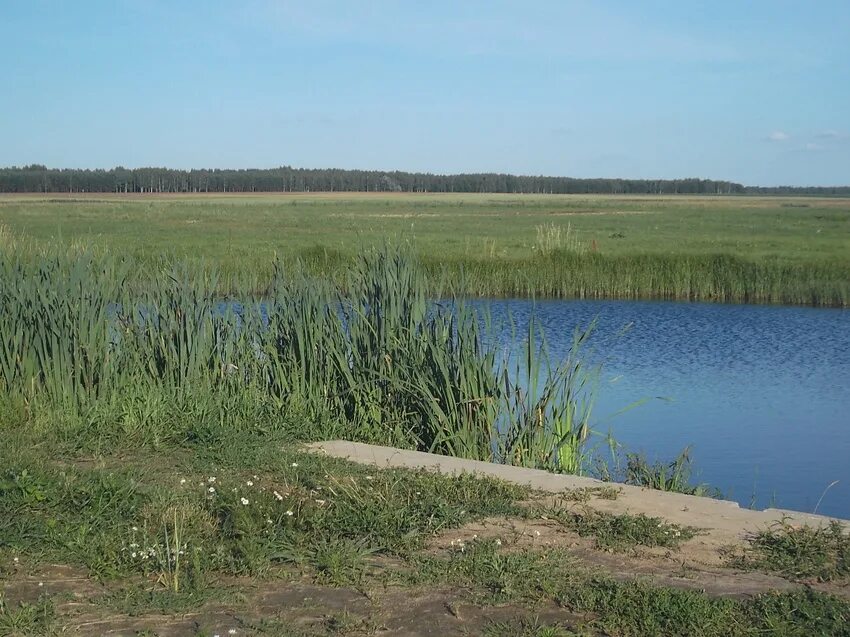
(38, 178)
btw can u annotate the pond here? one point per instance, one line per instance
(760, 393)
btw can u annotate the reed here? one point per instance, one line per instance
(374, 359)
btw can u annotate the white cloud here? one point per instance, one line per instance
(779, 136)
(812, 146)
(832, 134)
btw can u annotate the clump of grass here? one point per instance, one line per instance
(674, 476)
(585, 494)
(801, 552)
(529, 628)
(27, 619)
(620, 532)
(552, 238)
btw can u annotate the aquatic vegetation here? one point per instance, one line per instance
(373, 360)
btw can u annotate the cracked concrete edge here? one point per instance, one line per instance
(723, 516)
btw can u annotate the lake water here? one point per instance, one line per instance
(760, 393)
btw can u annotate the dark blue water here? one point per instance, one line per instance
(760, 393)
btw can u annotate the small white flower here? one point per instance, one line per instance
(211, 489)
(249, 483)
(498, 542)
(15, 560)
(369, 478)
(277, 495)
(135, 528)
(537, 533)
(41, 583)
(133, 555)
(294, 464)
(211, 479)
(244, 501)
(269, 521)
(232, 631)
(320, 502)
(290, 513)
(182, 480)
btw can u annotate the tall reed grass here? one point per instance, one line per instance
(374, 358)
(565, 273)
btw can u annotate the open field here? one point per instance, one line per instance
(756, 249)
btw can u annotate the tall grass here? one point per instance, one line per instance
(565, 273)
(375, 358)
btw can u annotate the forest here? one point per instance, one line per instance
(39, 178)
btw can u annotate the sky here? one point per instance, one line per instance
(756, 92)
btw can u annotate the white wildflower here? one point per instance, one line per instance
(232, 631)
(290, 513)
(182, 480)
(135, 528)
(244, 501)
(133, 555)
(498, 542)
(369, 478)
(249, 483)
(294, 464)
(41, 583)
(320, 502)
(211, 489)
(211, 479)
(277, 495)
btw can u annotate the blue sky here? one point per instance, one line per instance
(756, 92)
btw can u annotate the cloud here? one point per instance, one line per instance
(779, 136)
(833, 135)
(811, 146)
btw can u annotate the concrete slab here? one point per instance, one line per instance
(723, 517)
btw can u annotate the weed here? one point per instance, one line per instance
(585, 494)
(27, 619)
(619, 532)
(801, 552)
(674, 476)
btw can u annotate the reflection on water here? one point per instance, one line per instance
(761, 393)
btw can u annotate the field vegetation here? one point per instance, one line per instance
(747, 249)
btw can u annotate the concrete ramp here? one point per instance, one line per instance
(726, 519)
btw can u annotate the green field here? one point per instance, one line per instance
(752, 249)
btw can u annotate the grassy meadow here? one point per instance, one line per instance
(792, 250)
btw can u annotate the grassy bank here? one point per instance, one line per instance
(196, 535)
(754, 249)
